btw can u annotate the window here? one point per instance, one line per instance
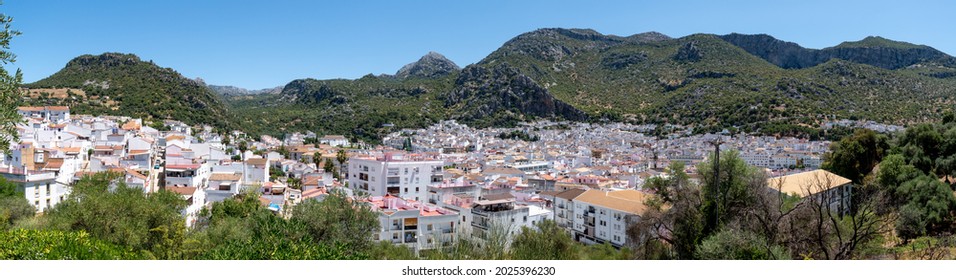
(416, 189)
(429, 227)
(392, 180)
(47, 189)
(406, 190)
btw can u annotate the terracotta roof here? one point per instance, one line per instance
(182, 190)
(257, 161)
(135, 174)
(313, 193)
(225, 177)
(603, 199)
(628, 194)
(312, 181)
(71, 150)
(807, 183)
(570, 194)
(503, 170)
(499, 196)
(138, 152)
(131, 125)
(30, 108)
(53, 163)
(550, 193)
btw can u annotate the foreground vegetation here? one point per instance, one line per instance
(106, 220)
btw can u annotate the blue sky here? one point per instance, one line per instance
(259, 44)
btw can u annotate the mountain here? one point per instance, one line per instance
(753, 83)
(123, 84)
(873, 50)
(230, 91)
(432, 65)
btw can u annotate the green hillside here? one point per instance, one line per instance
(124, 85)
(753, 83)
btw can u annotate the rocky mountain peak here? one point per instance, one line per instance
(431, 65)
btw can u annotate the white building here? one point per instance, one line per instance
(55, 114)
(334, 140)
(564, 207)
(397, 174)
(187, 174)
(35, 174)
(494, 219)
(414, 224)
(601, 217)
(830, 190)
(195, 200)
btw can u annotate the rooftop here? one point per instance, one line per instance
(807, 183)
(632, 203)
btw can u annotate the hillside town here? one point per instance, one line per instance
(428, 186)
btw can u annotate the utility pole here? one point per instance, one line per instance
(716, 142)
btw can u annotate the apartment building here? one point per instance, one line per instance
(601, 217)
(397, 174)
(492, 219)
(418, 225)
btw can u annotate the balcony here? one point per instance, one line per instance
(410, 237)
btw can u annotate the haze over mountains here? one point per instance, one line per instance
(753, 83)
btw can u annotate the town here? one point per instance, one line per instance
(427, 186)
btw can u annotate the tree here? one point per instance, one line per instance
(672, 225)
(295, 183)
(385, 250)
(113, 212)
(329, 167)
(13, 205)
(546, 241)
(9, 87)
(855, 156)
(317, 159)
(22, 244)
(243, 146)
(240, 228)
(338, 219)
(733, 194)
(818, 230)
(341, 156)
(731, 244)
(928, 209)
